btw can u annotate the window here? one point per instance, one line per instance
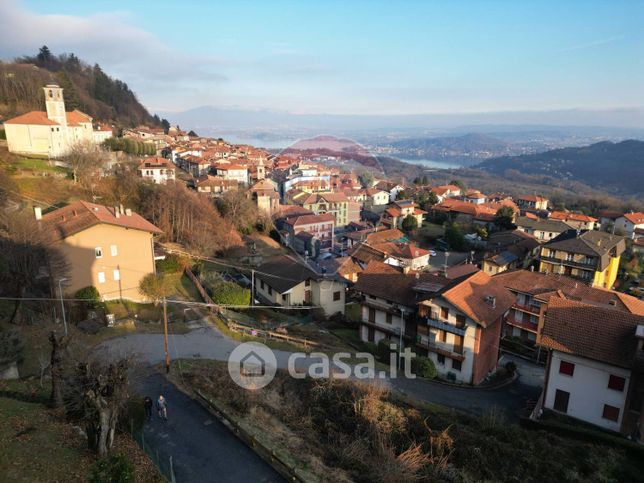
(98, 251)
(561, 401)
(460, 321)
(117, 275)
(567, 368)
(307, 283)
(441, 359)
(442, 335)
(261, 283)
(458, 344)
(284, 297)
(389, 318)
(444, 313)
(610, 412)
(270, 290)
(337, 296)
(456, 365)
(114, 250)
(617, 383)
(101, 277)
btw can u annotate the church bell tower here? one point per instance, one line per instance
(55, 104)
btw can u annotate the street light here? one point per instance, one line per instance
(62, 303)
(402, 326)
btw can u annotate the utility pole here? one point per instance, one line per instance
(62, 303)
(402, 328)
(252, 286)
(165, 333)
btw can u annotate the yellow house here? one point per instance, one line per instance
(108, 248)
(591, 256)
(336, 203)
(53, 132)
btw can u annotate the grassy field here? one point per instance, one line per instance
(38, 444)
(36, 166)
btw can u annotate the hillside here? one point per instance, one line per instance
(613, 167)
(86, 87)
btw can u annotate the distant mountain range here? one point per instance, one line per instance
(613, 167)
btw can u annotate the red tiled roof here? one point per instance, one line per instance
(33, 117)
(599, 333)
(635, 218)
(566, 215)
(81, 215)
(471, 297)
(310, 219)
(76, 117)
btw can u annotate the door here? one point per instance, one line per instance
(371, 334)
(561, 401)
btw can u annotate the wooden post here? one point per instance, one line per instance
(165, 333)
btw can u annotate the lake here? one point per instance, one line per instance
(430, 163)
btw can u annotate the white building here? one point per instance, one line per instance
(594, 359)
(157, 170)
(52, 133)
(629, 222)
(233, 172)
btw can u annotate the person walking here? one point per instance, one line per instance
(162, 408)
(147, 404)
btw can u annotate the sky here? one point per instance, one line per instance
(349, 57)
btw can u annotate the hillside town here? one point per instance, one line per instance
(473, 283)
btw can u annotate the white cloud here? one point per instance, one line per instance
(138, 57)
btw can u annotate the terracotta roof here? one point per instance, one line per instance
(635, 218)
(597, 333)
(77, 117)
(33, 117)
(532, 198)
(81, 215)
(472, 294)
(158, 163)
(567, 215)
(310, 219)
(384, 235)
(544, 286)
(388, 283)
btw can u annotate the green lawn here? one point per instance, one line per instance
(41, 165)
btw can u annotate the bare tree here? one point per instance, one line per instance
(98, 393)
(85, 159)
(59, 345)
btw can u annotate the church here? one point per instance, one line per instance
(54, 132)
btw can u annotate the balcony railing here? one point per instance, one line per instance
(447, 327)
(443, 349)
(570, 263)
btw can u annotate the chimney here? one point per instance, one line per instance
(128, 212)
(117, 213)
(38, 212)
(121, 209)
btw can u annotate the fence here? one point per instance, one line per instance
(162, 461)
(269, 334)
(201, 290)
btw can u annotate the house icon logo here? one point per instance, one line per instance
(252, 365)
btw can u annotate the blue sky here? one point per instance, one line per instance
(357, 57)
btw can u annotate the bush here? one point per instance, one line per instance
(91, 297)
(423, 367)
(511, 367)
(383, 350)
(172, 264)
(11, 348)
(115, 468)
(229, 293)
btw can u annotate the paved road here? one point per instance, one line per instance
(202, 448)
(210, 343)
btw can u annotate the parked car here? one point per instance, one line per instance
(242, 280)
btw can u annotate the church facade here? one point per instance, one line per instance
(50, 133)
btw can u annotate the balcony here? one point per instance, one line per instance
(532, 309)
(447, 327)
(522, 324)
(438, 348)
(570, 263)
